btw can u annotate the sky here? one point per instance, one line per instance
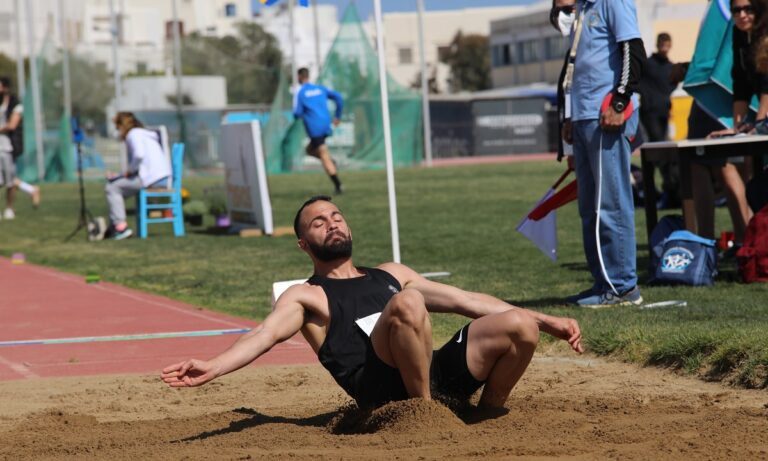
(365, 7)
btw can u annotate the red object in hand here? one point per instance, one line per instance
(627, 110)
(565, 195)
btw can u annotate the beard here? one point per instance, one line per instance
(333, 249)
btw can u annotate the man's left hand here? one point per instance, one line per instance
(336, 122)
(568, 330)
(610, 120)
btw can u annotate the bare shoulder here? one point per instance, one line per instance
(401, 272)
(309, 297)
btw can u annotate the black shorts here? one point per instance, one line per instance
(314, 143)
(376, 383)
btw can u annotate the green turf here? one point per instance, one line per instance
(458, 219)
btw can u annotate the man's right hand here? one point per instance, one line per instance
(721, 133)
(567, 131)
(190, 373)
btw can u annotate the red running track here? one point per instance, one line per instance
(80, 328)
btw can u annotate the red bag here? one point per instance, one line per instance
(753, 256)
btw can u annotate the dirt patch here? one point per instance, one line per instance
(580, 409)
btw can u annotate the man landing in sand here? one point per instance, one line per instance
(371, 329)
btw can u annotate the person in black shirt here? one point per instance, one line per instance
(656, 87)
(372, 332)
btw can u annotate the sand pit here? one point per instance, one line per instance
(581, 408)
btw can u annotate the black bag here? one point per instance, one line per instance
(17, 135)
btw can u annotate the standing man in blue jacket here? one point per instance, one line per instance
(604, 68)
(311, 105)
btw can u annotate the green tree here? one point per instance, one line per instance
(470, 61)
(8, 69)
(250, 62)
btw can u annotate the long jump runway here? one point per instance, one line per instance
(54, 324)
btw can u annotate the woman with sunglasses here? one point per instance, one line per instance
(749, 28)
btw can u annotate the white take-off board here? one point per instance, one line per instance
(246, 176)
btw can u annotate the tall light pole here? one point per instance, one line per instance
(177, 70)
(317, 38)
(427, 120)
(387, 134)
(36, 102)
(20, 77)
(114, 30)
(116, 73)
(66, 78)
(292, 40)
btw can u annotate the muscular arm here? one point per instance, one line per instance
(285, 321)
(445, 298)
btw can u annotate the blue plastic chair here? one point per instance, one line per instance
(173, 195)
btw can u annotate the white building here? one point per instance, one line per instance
(401, 36)
(276, 20)
(145, 28)
(526, 49)
(158, 92)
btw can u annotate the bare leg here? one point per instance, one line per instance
(499, 349)
(10, 196)
(402, 339)
(737, 200)
(325, 157)
(703, 200)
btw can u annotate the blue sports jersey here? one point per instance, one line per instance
(311, 105)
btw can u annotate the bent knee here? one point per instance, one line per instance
(522, 327)
(408, 307)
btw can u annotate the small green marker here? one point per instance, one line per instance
(92, 277)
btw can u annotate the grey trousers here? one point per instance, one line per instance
(117, 191)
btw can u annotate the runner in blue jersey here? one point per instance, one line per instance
(311, 105)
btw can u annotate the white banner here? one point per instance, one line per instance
(246, 176)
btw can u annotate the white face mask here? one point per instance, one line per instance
(565, 23)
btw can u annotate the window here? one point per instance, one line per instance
(141, 68)
(501, 55)
(230, 10)
(405, 55)
(529, 51)
(556, 47)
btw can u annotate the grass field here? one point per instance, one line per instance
(458, 219)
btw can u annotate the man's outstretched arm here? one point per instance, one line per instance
(445, 298)
(285, 321)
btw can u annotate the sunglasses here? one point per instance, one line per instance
(565, 9)
(747, 9)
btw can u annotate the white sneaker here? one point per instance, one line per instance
(8, 214)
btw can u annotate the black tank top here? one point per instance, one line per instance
(346, 344)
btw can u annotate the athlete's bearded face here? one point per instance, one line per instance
(325, 232)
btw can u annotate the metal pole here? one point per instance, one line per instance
(292, 40)
(115, 63)
(317, 38)
(65, 62)
(36, 103)
(427, 120)
(21, 78)
(116, 76)
(177, 69)
(387, 133)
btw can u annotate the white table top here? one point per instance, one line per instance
(727, 140)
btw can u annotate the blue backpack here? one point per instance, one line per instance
(685, 258)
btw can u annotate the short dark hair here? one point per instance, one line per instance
(663, 37)
(303, 72)
(297, 219)
(5, 81)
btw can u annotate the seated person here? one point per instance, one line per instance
(371, 329)
(147, 167)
